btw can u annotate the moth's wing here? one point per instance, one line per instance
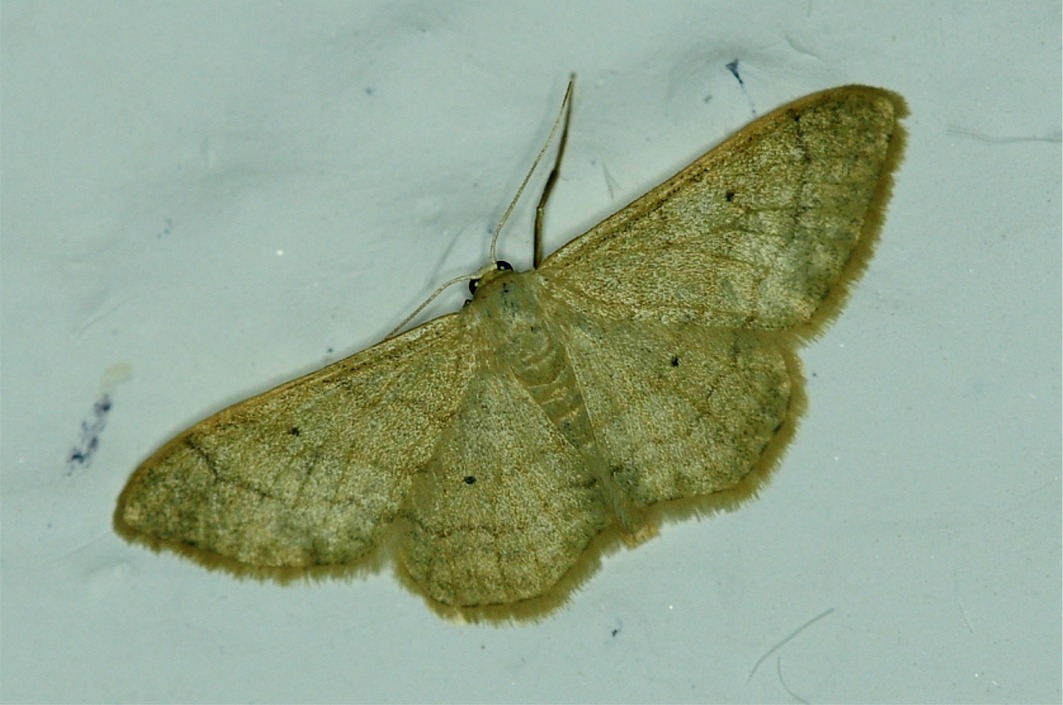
(313, 471)
(754, 233)
(680, 409)
(505, 507)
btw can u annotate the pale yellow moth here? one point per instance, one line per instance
(639, 370)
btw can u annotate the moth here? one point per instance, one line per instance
(647, 363)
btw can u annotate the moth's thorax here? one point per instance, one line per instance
(507, 308)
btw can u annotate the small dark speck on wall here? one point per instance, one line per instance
(81, 454)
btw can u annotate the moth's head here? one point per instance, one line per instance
(492, 272)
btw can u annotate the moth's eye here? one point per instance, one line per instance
(473, 283)
(503, 266)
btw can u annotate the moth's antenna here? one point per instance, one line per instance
(566, 105)
(563, 113)
(430, 299)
